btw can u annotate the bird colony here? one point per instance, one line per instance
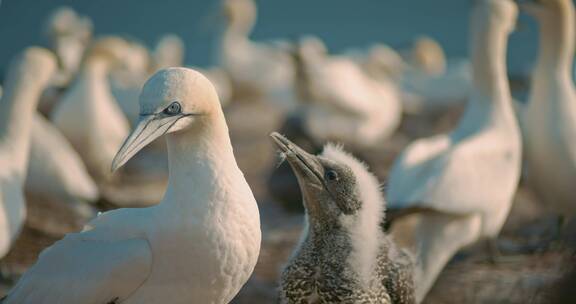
(404, 176)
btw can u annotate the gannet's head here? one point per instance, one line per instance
(497, 14)
(173, 99)
(34, 66)
(546, 9)
(114, 50)
(429, 56)
(336, 187)
(240, 14)
(64, 22)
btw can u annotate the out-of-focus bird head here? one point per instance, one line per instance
(546, 9)
(33, 66)
(239, 14)
(172, 100)
(337, 188)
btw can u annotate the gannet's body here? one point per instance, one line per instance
(344, 104)
(88, 114)
(198, 245)
(343, 256)
(549, 120)
(466, 178)
(27, 77)
(57, 180)
(261, 70)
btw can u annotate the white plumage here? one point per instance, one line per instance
(469, 176)
(257, 69)
(27, 77)
(343, 103)
(549, 119)
(57, 180)
(198, 245)
(88, 115)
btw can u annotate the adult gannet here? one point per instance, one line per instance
(198, 245)
(88, 115)
(28, 75)
(431, 81)
(465, 179)
(255, 69)
(342, 102)
(69, 34)
(549, 119)
(57, 182)
(343, 255)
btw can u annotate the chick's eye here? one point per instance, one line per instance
(173, 108)
(331, 175)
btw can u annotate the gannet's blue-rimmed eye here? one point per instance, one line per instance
(173, 109)
(331, 175)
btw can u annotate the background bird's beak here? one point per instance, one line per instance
(305, 165)
(149, 127)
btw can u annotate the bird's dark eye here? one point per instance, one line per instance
(173, 109)
(331, 175)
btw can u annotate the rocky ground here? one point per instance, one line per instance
(530, 269)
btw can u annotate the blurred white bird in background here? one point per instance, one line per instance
(126, 80)
(549, 119)
(342, 102)
(169, 52)
(257, 70)
(88, 114)
(199, 244)
(58, 187)
(465, 180)
(69, 35)
(430, 81)
(27, 76)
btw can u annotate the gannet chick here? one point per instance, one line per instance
(257, 70)
(549, 118)
(343, 256)
(343, 103)
(467, 178)
(198, 245)
(69, 35)
(28, 75)
(88, 115)
(57, 182)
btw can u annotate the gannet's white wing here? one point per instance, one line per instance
(86, 268)
(459, 180)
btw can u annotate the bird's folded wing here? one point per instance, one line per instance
(78, 270)
(466, 180)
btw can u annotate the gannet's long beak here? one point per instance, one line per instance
(304, 164)
(149, 127)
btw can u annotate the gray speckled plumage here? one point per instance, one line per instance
(318, 272)
(344, 256)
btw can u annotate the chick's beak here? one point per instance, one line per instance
(305, 165)
(149, 127)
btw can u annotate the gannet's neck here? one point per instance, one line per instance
(490, 100)
(96, 67)
(556, 42)
(202, 167)
(17, 107)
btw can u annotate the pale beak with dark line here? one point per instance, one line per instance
(149, 127)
